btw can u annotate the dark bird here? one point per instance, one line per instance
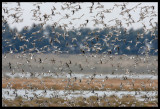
(10, 66)
(40, 60)
(73, 11)
(82, 51)
(87, 21)
(67, 64)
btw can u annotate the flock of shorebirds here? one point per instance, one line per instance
(98, 19)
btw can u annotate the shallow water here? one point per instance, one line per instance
(72, 94)
(65, 75)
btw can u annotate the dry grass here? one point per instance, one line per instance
(93, 101)
(85, 84)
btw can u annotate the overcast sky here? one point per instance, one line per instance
(45, 8)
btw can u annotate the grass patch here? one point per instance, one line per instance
(92, 101)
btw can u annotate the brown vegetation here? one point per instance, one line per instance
(85, 84)
(92, 101)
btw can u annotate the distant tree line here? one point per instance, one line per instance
(83, 40)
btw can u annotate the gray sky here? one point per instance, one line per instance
(45, 8)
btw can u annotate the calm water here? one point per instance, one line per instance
(65, 75)
(72, 94)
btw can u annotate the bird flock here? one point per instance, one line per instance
(34, 63)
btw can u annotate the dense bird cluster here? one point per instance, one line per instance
(34, 61)
(98, 41)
